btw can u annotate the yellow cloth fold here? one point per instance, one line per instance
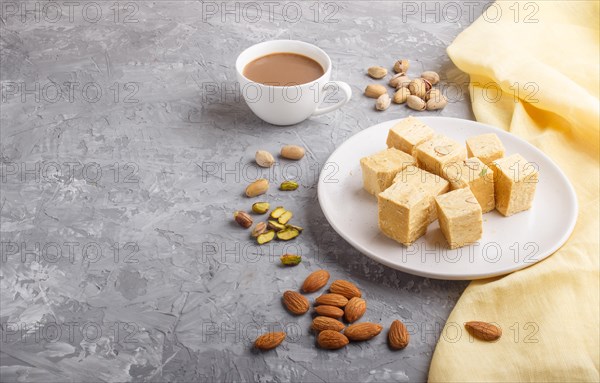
(546, 70)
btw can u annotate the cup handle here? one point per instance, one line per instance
(345, 88)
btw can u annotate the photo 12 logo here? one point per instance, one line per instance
(71, 92)
(270, 11)
(92, 12)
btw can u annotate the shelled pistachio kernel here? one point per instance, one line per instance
(265, 237)
(243, 219)
(290, 259)
(288, 185)
(287, 234)
(259, 229)
(279, 210)
(285, 217)
(260, 207)
(275, 226)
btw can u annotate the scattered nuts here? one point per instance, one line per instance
(290, 259)
(321, 323)
(295, 302)
(362, 331)
(331, 299)
(401, 66)
(275, 226)
(419, 87)
(375, 90)
(401, 95)
(279, 210)
(269, 340)
(345, 288)
(260, 207)
(285, 217)
(264, 159)
(287, 234)
(243, 219)
(315, 281)
(377, 72)
(398, 336)
(331, 340)
(415, 103)
(399, 80)
(288, 185)
(383, 102)
(265, 237)
(484, 331)
(260, 228)
(431, 76)
(433, 93)
(437, 103)
(292, 152)
(257, 188)
(355, 309)
(329, 311)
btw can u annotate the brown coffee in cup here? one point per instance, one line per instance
(283, 69)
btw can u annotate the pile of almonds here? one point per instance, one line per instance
(345, 300)
(417, 93)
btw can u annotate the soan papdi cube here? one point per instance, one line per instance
(515, 180)
(475, 175)
(403, 212)
(460, 217)
(379, 169)
(426, 182)
(486, 147)
(407, 134)
(435, 154)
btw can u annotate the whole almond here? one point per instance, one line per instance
(377, 72)
(243, 219)
(355, 309)
(375, 90)
(315, 281)
(264, 159)
(329, 311)
(398, 336)
(321, 323)
(362, 331)
(345, 288)
(336, 300)
(331, 340)
(257, 188)
(292, 152)
(269, 340)
(295, 302)
(483, 330)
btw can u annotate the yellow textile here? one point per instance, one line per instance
(548, 312)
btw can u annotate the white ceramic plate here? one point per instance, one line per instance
(508, 243)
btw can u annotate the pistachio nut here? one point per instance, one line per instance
(243, 219)
(275, 226)
(431, 76)
(377, 72)
(375, 90)
(260, 207)
(260, 228)
(401, 95)
(292, 152)
(287, 234)
(437, 103)
(401, 66)
(264, 159)
(419, 87)
(290, 259)
(288, 185)
(285, 217)
(265, 237)
(399, 80)
(416, 103)
(277, 212)
(257, 188)
(383, 102)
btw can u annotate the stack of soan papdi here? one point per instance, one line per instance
(424, 176)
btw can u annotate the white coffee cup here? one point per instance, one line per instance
(287, 105)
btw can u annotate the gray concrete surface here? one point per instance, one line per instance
(125, 150)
